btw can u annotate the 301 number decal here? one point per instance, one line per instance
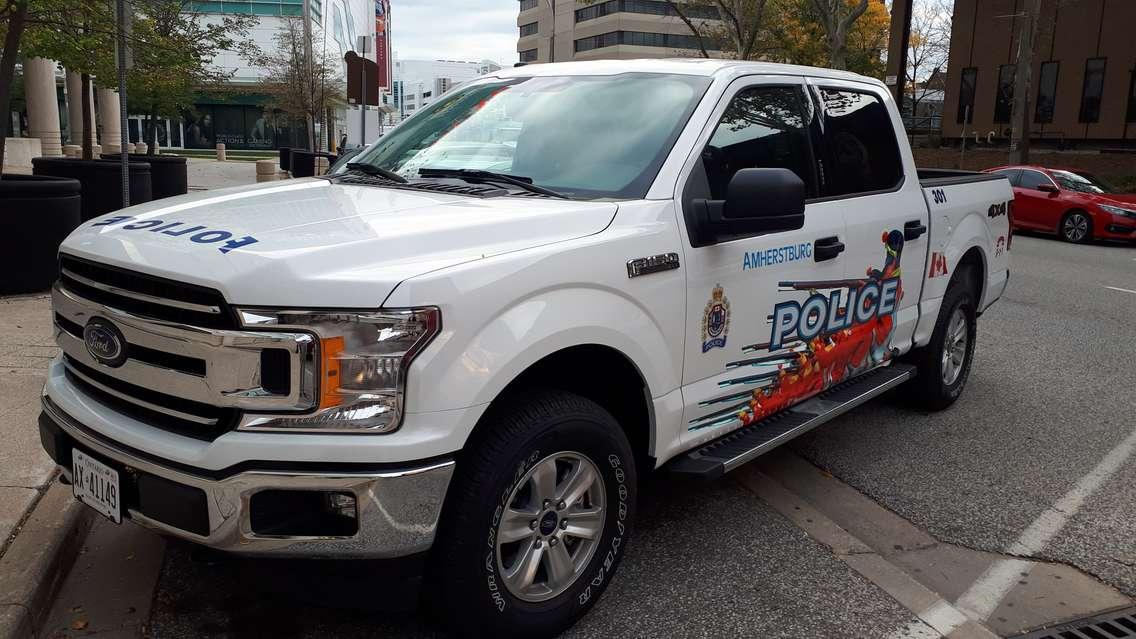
(939, 196)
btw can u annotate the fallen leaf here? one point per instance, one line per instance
(79, 624)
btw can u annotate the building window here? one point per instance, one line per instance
(1046, 92)
(528, 55)
(1092, 89)
(529, 29)
(650, 7)
(966, 95)
(637, 38)
(528, 4)
(1004, 98)
(1132, 97)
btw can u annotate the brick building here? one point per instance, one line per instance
(1083, 84)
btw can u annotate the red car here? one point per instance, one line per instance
(1071, 203)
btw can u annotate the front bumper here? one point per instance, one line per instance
(397, 510)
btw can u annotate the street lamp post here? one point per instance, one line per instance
(364, 44)
(552, 34)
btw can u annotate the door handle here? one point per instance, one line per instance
(827, 248)
(913, 229)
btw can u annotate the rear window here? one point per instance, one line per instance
(860, 150)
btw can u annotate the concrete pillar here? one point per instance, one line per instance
(141, 147)
(220, 151)
(109, 119)
(43, 105)
(75, 108)
(265, 170)
(72, 150)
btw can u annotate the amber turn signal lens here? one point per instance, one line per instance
(330, 348)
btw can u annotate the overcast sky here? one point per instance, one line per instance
(455, 30)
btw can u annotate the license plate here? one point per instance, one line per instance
(96, 485)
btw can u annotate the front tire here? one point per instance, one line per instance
(1076, 227)
(537, 517)
(944, 364)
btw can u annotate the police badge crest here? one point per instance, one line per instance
(716, 320)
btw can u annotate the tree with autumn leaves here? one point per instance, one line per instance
(841, 34)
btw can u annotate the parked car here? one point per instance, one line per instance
(678, 268)
(1073, 204)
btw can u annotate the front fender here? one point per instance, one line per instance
(479, 367)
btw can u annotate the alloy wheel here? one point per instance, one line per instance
(954, 348)
(551, 526)
(1075, 227)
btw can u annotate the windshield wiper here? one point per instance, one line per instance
(371, 169)
(479, 175)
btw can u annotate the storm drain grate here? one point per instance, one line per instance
(1120, 624)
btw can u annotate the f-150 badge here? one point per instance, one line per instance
(716, 320)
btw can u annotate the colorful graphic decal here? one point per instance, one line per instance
(716, 320)
(1000, 246)
(779, 255)
(815, 344)
(938, 265)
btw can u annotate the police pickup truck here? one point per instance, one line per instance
(466, 347)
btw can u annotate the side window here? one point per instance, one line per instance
(861, 154)
(1013, 175)
(1031, 179)
(763, 127)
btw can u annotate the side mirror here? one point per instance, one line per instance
(757, 201)
(1047, 188)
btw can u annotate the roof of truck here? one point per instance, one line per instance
(686, 66)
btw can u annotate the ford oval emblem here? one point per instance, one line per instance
(104, 342)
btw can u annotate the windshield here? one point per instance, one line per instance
(581, 136)
(1083, 182)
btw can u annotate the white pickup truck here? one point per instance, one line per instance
(466, 348)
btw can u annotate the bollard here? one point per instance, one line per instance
(220, 151)
(72, 150)
(282, 175)
(131, 147)
(265, 170)
(321, 165)
(96, 150)
(140, 148)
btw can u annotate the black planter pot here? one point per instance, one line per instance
(101, 180)
(168, 176)
(285, 158)
(36, 213)
(303, 163)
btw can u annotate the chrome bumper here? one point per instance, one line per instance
(398, 511)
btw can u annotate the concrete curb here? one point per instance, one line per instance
(38, 559)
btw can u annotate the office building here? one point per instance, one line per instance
(606, 29)
(419, 82)
(1083, 80)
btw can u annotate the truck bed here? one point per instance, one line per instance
(947, 177)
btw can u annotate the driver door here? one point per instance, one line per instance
(737, 366)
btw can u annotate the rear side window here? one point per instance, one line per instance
(860, 151)
(1013, 175)
(1032, 179)
(763, 127)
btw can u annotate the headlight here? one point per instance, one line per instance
(1116, 210)
(361, 367)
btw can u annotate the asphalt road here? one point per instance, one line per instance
(1048, 399)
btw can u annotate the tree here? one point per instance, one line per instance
(298, 89)
(75, 35)
(15, 14)
(927, 47)
(176, 59)
(836, 17)
(1031, 14)
(796, 35)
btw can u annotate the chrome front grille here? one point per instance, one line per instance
(185, 377)
(146, 295)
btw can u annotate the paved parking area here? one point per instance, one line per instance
(1037, 455)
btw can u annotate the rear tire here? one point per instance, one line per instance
(943, 365)
(511, 560)
(1076, 227)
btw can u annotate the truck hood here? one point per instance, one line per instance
(312, 243)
